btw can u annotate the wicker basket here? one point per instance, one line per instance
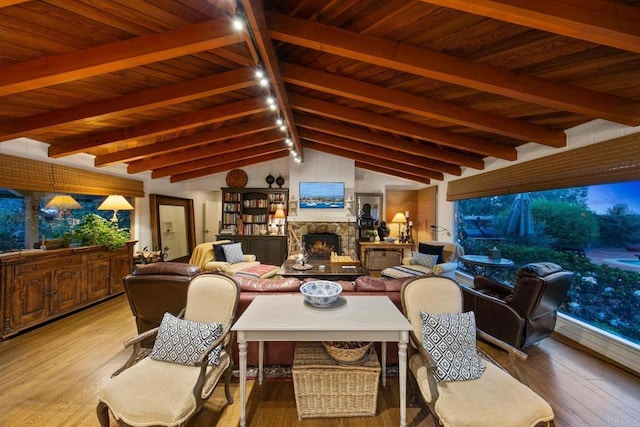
(324, 388)
(347, 351)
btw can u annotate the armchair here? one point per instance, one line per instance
(169, 386)
(494, 398)
(451, 251)
(155, 289)
(204, 257)
(523, 314)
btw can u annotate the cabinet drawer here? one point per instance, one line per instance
(379, 260)
(48, 264)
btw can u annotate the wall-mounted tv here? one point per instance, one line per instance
(321, 195)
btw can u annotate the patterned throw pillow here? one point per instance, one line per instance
(183, 341)
(423, 259)
(218, 253)
(233, 253)
(425, 248)
(451, 340)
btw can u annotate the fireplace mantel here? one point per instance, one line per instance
(322, 217)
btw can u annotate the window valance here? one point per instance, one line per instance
(615, 160)
(26, 174)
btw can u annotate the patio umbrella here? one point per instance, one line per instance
(520, 218)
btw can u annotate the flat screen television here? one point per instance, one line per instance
(322, 195)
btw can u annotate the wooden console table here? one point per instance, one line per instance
(37, 286)
(387, 251)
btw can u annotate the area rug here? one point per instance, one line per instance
(284, 372)
(276, 372)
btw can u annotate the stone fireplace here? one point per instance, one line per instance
(344, 231)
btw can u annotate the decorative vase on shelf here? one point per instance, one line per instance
(270, 179)
(280, 181)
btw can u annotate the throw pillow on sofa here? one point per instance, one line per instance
(425, 248)
(233, 253)
(218, 252)
(425, 260)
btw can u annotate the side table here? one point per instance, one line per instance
(487, 266)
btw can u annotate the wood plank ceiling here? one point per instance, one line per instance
(414, 89)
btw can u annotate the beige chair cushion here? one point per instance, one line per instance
(495, 399)
(130, 391)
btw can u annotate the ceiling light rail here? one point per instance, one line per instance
(241, 22)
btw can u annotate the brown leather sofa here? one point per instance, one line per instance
(523, 314)
(281, 352)
(154, 289)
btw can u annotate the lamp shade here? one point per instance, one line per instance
(279, 213)
(62, 202)
(115, 203)
(399, 218)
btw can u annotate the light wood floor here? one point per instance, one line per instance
(50, 377)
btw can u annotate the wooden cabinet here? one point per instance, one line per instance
(40, 285)
(250, 211)
(267, 249)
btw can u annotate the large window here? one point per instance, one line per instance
(24, 220)
(593, 231)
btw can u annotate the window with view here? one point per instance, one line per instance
(593, 231)
(25, 219)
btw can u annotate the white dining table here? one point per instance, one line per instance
(353, 318)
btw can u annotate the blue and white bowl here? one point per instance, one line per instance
(321, 293)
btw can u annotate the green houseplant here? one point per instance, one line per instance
(95, 230)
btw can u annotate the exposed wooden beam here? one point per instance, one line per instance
(401, 127)
(388, 142)
(173, 151)
(390, 171)
(435, 65)
(116, 56)
(254, 11)
(216, 159)
(222, 146)
(420, 106)
(131, 103)
(360, 150)
(228, 166)
(380, 162)
(150, 129)
(6, 3)
(605, 22)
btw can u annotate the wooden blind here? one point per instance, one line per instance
(615, 160)
(26, 174)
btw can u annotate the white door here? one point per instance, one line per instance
(212, 211)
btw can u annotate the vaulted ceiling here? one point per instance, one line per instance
(414, 89)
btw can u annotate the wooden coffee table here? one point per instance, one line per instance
(331, 271)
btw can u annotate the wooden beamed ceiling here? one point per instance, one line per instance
(411, 88)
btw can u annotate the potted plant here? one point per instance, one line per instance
(372, 235)
(95, 230)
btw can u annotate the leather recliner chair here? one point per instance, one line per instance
(523, 314)
(155, 289)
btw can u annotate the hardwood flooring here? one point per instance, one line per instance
(51, 375)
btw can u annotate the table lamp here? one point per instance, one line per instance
(399, 219)
(279, 216)
(63, 204)
(115, 203)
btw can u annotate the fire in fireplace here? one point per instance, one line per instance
(321, 245)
